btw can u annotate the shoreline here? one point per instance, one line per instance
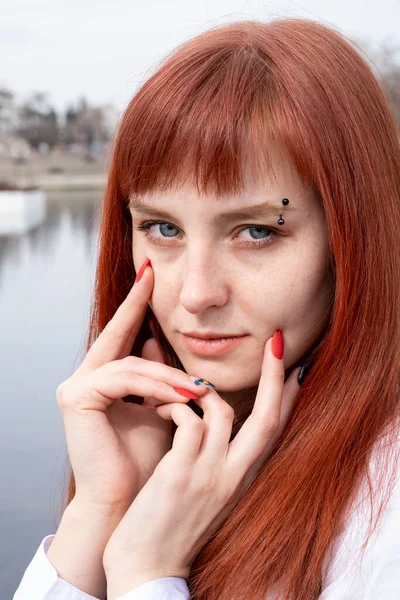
(57, 172)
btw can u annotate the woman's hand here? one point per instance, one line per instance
(114, 446)
(198, 482)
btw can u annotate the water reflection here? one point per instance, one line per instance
(46, 278)
(21, 211)
(61, 207)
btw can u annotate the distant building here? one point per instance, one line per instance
(8, 114)
(11, 144)
(14, 147)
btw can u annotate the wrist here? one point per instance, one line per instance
(76, 551)
(80, 507)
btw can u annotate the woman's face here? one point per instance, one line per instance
(207, 278)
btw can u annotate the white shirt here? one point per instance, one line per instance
(346, 575)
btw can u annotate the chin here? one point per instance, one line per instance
(226, 378)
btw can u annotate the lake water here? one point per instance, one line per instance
(46, 278)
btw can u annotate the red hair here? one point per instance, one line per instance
(216, 101)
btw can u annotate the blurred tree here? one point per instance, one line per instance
(38, 121)
(70, 115)
(86, 126)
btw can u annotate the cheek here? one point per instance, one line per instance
(296, 297)
(307, 290)
(306, 311)
(309, 300)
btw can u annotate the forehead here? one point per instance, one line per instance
(280, 181)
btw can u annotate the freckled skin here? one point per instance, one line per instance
(205, 280)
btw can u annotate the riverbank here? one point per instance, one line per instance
(57, 172)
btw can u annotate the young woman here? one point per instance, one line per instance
(253, 197)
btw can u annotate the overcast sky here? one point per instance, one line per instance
(105, 49)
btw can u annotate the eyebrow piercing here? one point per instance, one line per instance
(285, 202)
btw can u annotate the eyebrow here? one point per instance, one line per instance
(243, 213)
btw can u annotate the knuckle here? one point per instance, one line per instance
(121, 367)
(155, 389)
(208, 483)
(227, 411)
(180, 480)
(71, 392)
(127, 363)
(59, 392)
(126, 390)
(280, 377)
(62, 394)
(130, 367)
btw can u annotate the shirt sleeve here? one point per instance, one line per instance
(40, 581)
(165, 588)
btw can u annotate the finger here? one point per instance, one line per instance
(289, 399)
(218, 420)
(260, 428)
(100, 388)
(130, 366)
(188, 436)
(151, 352)
(117, 338)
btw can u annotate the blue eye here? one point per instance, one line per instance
(263, 241)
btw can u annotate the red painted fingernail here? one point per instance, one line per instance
(146, 263)
(185, 393)
(277, 344)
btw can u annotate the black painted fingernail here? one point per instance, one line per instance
(305, 369)
(133, 399)
(196, 408)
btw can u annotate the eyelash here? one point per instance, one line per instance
(144, 227)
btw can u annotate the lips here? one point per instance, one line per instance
(211, 335)
(212, 346)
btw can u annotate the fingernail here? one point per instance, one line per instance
(305, 369)
(185, 393)
(201, 381)
(277, 345)
(146, 263)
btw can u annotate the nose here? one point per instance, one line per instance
(204, 281)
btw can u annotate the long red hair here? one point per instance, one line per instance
(214, 102)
